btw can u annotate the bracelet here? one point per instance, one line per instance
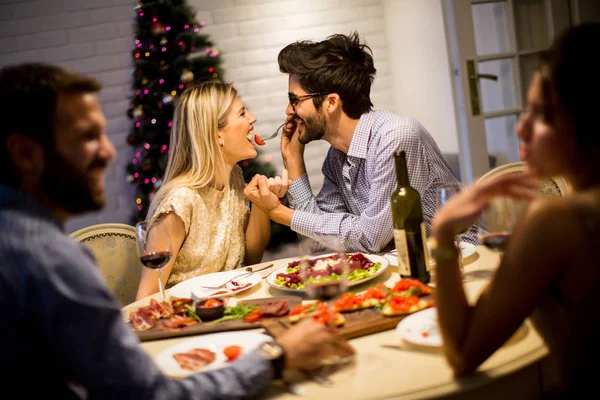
(443, 254)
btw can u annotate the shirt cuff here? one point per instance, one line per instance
(299, 192)
(255, 365)
(307, 223)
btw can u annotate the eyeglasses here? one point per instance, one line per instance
(294, 100)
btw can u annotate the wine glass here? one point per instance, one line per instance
(444, 193)
(498, 220)
(324, 271)
(154, 248)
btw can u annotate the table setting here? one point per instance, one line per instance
(411, 339)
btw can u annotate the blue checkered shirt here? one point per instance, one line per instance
(353, 206)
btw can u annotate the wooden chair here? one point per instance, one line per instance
(115, 249)
(555, 186)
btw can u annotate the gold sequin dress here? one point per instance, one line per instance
(215, 222)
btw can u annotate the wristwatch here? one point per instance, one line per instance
(442, 254)
(275, 353)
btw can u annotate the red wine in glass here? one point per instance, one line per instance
(496, 241)
(154, 248)
(156, 260)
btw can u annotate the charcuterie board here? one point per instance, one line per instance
(156, 333)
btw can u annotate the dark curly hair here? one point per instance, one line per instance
(340, 64)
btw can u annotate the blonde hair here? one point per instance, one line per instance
(195, 157)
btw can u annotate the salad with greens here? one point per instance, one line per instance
(360, 268)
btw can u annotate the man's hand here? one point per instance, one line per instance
(292, 150)
(279, 184)
(261, 195)
(308, 343)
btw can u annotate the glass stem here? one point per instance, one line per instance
(160, 286)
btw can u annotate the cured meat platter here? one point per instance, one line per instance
(157, 332)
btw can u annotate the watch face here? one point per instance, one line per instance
(271, 350)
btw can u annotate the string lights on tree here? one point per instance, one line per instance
(169, 56)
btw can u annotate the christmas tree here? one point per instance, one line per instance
(169, 56)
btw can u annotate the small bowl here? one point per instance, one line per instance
(210, 313)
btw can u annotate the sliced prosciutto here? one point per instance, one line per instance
(194, 359)
(177, 322)
(146, 317)
(164, 309)
(143, 319)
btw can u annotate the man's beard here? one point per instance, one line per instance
(68, 188)
(314, 128)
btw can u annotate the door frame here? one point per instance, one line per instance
(471, 129)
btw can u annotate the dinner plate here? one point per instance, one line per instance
(184, 289)
(466, 249)
(216, 343)
(373, 257)
(421, 328)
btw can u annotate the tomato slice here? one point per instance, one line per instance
(258, 140)
(211, 303)
(253, 316)
(232, 352)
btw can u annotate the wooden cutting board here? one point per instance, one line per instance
(155, 333)
(358, 323)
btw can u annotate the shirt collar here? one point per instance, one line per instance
(13, 199)
(362, 134)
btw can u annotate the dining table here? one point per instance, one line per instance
(387, 367)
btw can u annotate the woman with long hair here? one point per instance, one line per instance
(201, 200)
(550, 270)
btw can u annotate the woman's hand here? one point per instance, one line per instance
(462, 210)
(279, 184)
(259, 193)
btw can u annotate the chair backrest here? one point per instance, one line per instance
(115, 249)
(555, 186)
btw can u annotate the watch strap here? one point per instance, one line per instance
(275, 354)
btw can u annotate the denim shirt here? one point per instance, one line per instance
(62, 329)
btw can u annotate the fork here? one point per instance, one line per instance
(272, 135)
(250, 269)
(223, 284)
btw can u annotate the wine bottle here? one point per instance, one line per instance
(409, 229)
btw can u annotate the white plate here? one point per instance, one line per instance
(467, 249)
(184, 289)
(421, 328)
(373, 257)
(215, 342)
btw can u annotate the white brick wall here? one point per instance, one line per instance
(96, 36)
(93, 37)
(250, 33)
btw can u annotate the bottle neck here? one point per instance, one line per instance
(401, 170)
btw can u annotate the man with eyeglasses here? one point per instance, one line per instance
(329, 99)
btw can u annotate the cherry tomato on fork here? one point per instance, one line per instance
(258, 140)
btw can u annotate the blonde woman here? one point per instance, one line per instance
(201, 200)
